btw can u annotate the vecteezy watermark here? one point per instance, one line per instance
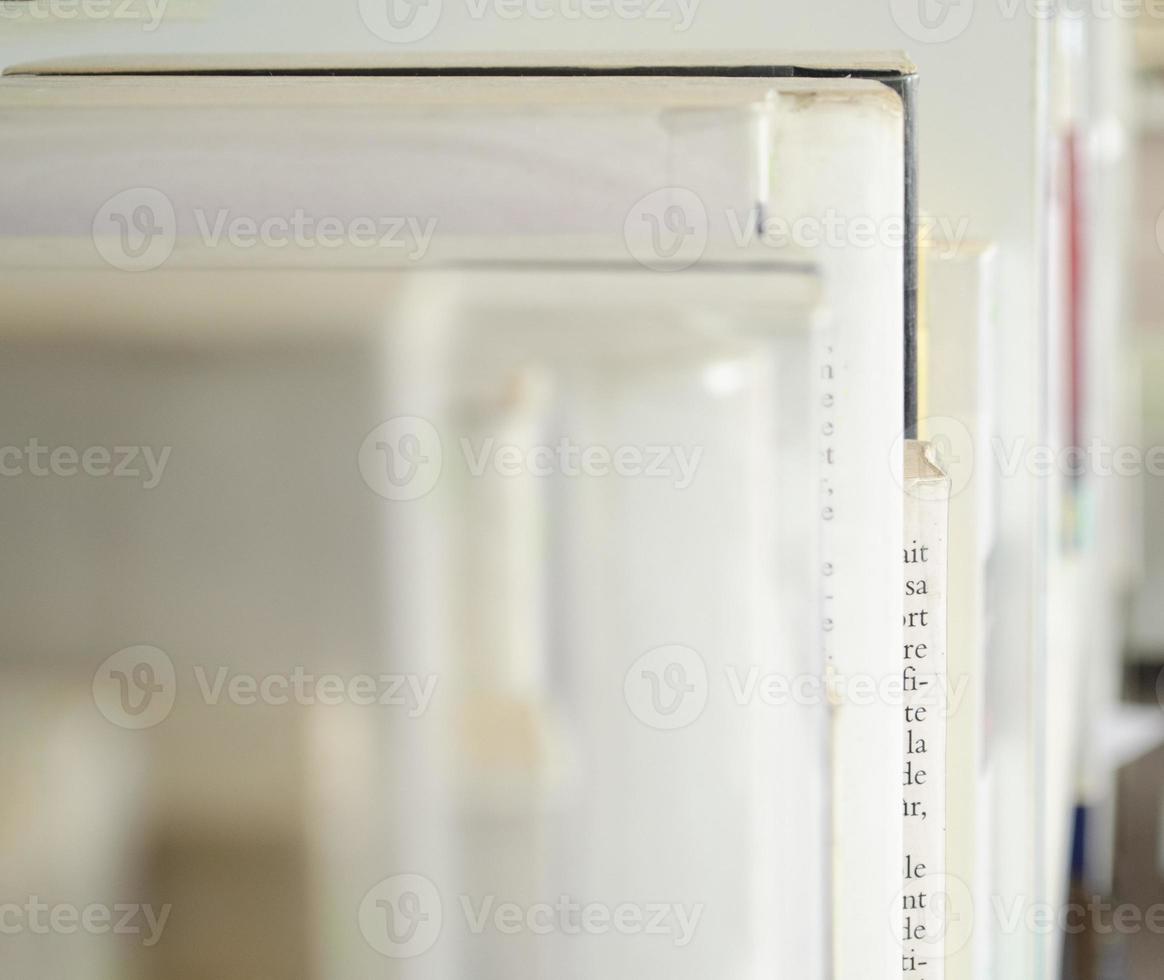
(958, 451)
(148, 13)
(679, 464)
(64, 919)
(1096, 915)
(119, 462)
(752, 684)
(932, 21)
(932, 916)
(136, 688)
(670, 686)
(1095, 459)
(679, 14)
(402, 459)
(136, 230)
(835, 229)
(670, 229)
(667, 230)
(939, 21)
(408, 21)
(403, 916)
(953, 447)
(570, 917)
(401, 21)
(667, 687)
(412, 692)
(298, 229)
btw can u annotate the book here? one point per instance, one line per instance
(669, 159)
(578, 532)
(958, 344)
(934, 920)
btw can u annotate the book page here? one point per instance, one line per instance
(923, 677)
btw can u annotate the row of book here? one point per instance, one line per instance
(606, 395)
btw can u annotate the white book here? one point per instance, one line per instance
(957, 347)
(732, 153)
(934, 919)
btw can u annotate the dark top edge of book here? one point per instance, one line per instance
(744, 64)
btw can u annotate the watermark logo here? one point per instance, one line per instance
(670, 228)
(951, 444)
(408, 21)
(135, 230)
(1096, 459)
(401, 21)
(938, 21)
(670, 687)
(35, 459)
(63, 919)
(401, 459)
(570, 917)
(680, 13)
(1097, 915)
(667, 687)
(401, 916)
(148, 12)
(956, 451)
(409, 234)
(944, 234)
(678, 464)
(932, 21)
(135, 688)
(754, 686)
(667, 229)
(411, 692)
(932, 916)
